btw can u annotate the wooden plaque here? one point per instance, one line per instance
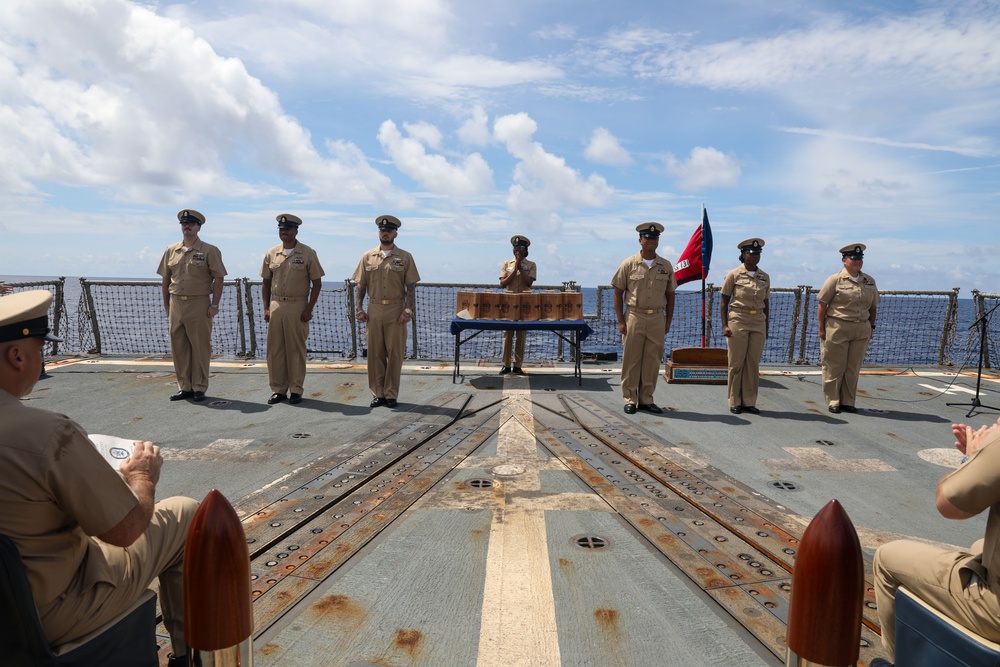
(551, 305)
(469, 301)
(572, 306)
(531, 306)
(509, 305)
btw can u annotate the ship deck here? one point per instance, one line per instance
(507, 520)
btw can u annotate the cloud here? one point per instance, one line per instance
(704, 168)
(983, 148)
(109, 94)
(475, 131)
(604, 148)
(954, 49)
(434, 172)
(543, 183)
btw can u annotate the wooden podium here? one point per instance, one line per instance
(697, 365)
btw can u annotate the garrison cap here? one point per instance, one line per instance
(190, 215)
(288, 221)
(26, 315)
(650, 230)
(853, 251)
(388, 222)
(517, 240)
(752, 245)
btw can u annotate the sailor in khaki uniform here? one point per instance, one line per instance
(90, 537)
(389, 276)
(847, 308)
(746, 292)
(516, 276)
(962, 585)
(192, 272)
(645, 284)
(292, 280)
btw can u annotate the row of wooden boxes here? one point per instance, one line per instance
(526, 306)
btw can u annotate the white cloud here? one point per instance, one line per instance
(425, 133)
(434, 172)
(109, 94)
(543, 183)
(604, 148)
(704, 168)
(475, 131)
(953, 49)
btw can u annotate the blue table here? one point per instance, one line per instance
(578, 328)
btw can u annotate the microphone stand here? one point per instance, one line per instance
(976, 403)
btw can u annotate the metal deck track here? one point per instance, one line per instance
(737, 546)
(725, 537)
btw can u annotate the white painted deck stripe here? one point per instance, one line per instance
(518, 617)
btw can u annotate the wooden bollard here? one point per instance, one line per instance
(824, 616)
(218, 612)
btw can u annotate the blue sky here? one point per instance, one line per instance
(810, 124)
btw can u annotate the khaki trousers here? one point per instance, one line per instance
(745, 347)
(518, 347)
(286, 346)
(159, 552)
(934, 575)
(642, 356)
(191, 341)
(843, 353)
(386, 349)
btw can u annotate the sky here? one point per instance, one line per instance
(810, 124)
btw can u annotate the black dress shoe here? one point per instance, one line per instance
(295, 399)
(199, 396)
(880, 662)
(505, 370)
(848, 408)
(835, 409)
(736, 409)
(377, 402)
(650, 407)
(177, 661)
(391, 403)
(181, 395)
(275, 398)
(518, 370)
(630, 408)
(752, 409)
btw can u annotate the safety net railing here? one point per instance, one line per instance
(58, 316)
(114, 317)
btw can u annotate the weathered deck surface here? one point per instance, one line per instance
(527, 521)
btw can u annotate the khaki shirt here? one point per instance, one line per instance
(646, 288)
(848, 299)
(386, 278)
(973, 488)
(191, 271)
(55, 490)
(747, 292)
(517, 285)
(291, 275)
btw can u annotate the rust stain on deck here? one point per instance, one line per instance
(339, 606)
(409, 640)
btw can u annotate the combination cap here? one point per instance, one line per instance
(26, 315)
(190, 215)
(288, 221)
(751, 245)
(517, 240)
(388, 222)
(853, 251)
(650, 230)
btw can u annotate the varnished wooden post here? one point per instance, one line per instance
(824, 616)
(218, 613)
